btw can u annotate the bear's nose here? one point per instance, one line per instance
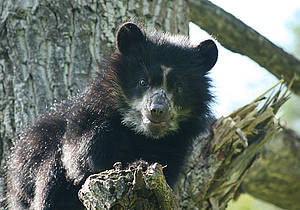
(159, 107)
(158, 111)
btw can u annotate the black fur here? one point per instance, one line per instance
(150, 99)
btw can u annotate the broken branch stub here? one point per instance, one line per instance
(128, 189)
(219, 162)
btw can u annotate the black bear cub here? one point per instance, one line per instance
(148, 102)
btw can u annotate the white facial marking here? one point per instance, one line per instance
(166, 71)
(135, 115)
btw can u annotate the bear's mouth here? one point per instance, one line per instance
(157, 128)
(148, 121)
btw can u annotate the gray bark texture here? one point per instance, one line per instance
(50, 49)
(128, 189)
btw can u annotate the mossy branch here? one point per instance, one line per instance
(128, 189)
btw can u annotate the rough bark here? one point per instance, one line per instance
(236, 36)
(50, 49)
(128, 189)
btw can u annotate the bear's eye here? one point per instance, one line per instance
(179, 90)
(143, 83)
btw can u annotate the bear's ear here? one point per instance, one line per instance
(129, 39)
(208, 52)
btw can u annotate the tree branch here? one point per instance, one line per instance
(128, 189)
(275, 177)
(233, 33)
(219, 163)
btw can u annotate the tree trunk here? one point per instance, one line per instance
(50, 49)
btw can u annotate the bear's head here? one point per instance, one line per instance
(163, 80)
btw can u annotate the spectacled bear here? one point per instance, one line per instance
(148, 102)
